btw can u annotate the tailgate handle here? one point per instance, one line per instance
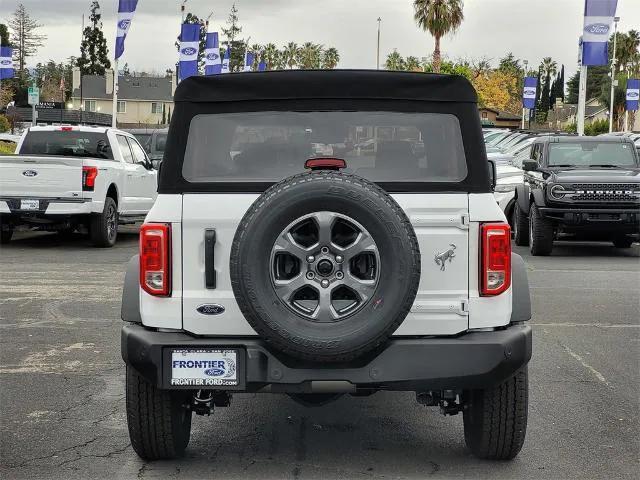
(209, 263)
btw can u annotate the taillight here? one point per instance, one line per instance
(155, 259)
(495, 271)
(89, 175)
(325, 163)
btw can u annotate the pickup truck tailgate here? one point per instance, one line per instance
(41, 177)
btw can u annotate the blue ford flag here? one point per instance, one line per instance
(126, 9)
(598, 15)
(225, 60)
(262, 66)
(529, 92)
(633, 94)
(212, 60)
(248, 62)
(189, 47)
(6, 63)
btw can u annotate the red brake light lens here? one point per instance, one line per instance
(89, 175)
(495, 272)
(155, 259)
(66, 129)
(325, 163)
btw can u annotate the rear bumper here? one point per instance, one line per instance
(472, 360)
(49, 207)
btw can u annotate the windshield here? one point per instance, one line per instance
(380, 146)
(518, 147)
(591, 154)
(67, 143)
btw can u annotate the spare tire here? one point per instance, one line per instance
(325, 266)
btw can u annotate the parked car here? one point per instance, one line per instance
(578, 187)
(508, 178)
(153, 142)
(68, 178)
(269, 272)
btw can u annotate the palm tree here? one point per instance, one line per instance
(309, 56)
(258, 54)
(269, 55)
(330, 58)
(439, 17)
(549, 67)
(394, 61)
(412, 64)
(291, 54)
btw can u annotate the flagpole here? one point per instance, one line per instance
(114, 115)
(613, 71)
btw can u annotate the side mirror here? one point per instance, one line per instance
(530, 165)
(491, 164)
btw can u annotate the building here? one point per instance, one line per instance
(141, 100)
(492, 117)
(564, 114)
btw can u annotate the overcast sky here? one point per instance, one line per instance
(531, 29)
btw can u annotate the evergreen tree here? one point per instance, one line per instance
(552, 93)
(596, 78)
(24, 39)
(94, 54)
(169, 116)
(4, 35)
(560, 92)
(164, 115)
(233, 30)
(125, 70)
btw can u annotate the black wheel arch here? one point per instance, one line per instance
(130, 308)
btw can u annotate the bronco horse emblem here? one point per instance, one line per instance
(441, 258)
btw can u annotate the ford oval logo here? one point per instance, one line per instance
(189, 51)
(529, 93)
(124, 24)
(632, 95)
(214, 372)
(597, 28)
(213, 56)
(30, 173)
(5, 62)
(210, 309)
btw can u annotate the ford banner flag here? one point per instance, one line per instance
(225, 60)
(126, 9)
(6, 63)
(529, 92)
(212, 60)
(598, 16)
(248, 62)
(633, 92)
(189, 47)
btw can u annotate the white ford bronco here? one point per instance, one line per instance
(67, 178)
(321, 233)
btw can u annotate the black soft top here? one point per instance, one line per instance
(326, 84)
(325, 90)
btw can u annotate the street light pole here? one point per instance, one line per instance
(613, 71)
(378, 49)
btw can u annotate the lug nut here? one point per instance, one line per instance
(311, 259)
(310, 275)
(324, 283)
(339, 258)
(339, 275)
(324, 250)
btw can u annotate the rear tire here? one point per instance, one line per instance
(495, 419)
(104, 226)
(520, 226)
(622, 242)
(159, 422)
(540, 233)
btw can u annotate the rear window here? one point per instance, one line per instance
(69, 144)
(380, 146)
(591, 154)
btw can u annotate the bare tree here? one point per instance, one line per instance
(24, 39)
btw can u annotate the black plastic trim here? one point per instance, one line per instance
(130, 309)
(209, 258)
(471, 360)
(520, 298)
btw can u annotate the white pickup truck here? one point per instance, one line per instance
(75, 178)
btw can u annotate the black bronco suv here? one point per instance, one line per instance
(583, 188)
(321, 233)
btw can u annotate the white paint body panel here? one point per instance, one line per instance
(448, 302)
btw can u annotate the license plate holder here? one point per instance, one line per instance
(205, 368)
(30, 205)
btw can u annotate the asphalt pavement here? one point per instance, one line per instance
(62, 410)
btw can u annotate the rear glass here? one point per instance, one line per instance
(591, 153)
(380, 146)
(69, 144)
